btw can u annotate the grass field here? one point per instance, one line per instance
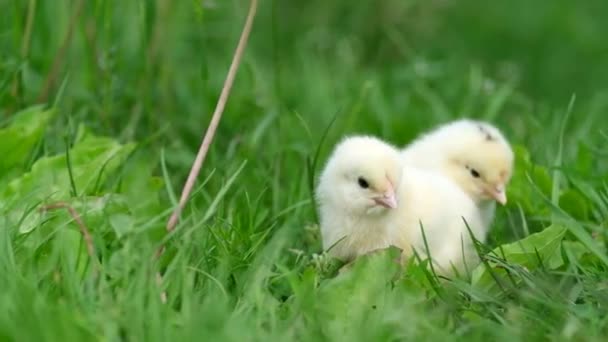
(108, 122)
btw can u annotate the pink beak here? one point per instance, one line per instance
(387, 200)
(500, 195)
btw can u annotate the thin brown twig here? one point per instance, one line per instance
(60, 55)
(208, 138)
(215, 119)
(88, 238)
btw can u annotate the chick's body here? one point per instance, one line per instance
(350, 236)
(441, 208)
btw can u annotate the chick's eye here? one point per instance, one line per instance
(475, 173)
(363, 183)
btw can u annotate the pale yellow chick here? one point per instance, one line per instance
(474, 154)
(356, 197)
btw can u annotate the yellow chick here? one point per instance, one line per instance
(369, 200)
(474, 154)
(356, 196)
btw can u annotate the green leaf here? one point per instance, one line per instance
(524, 253)
(92, 160)
(362, 282)
(122, 224)
(140, 187)
(55, 232)
(70, 246)
(100, 214)
(20, 137)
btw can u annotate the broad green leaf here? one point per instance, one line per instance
(361, 283)
(122, 223)
(523, 253)
(55, 232)
(140, 187)
(19, 138)
(72, 250)
(92, 160)
(108, 213)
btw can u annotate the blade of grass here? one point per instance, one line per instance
(560, 154)
(220, 195)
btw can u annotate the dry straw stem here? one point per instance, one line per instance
(208, 138)
(217, 115)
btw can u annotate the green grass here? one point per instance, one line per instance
(133, 96)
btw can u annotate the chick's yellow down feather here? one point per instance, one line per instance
(472, 153)
(435, 220)
(368, 200)
(356, 197)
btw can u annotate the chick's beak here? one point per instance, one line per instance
(387, 200)
(499, 194)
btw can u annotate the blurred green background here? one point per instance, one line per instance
(151, 71)
(155, 68)
(143, 67)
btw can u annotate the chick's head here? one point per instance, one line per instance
(361, 177)
(480, 160)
